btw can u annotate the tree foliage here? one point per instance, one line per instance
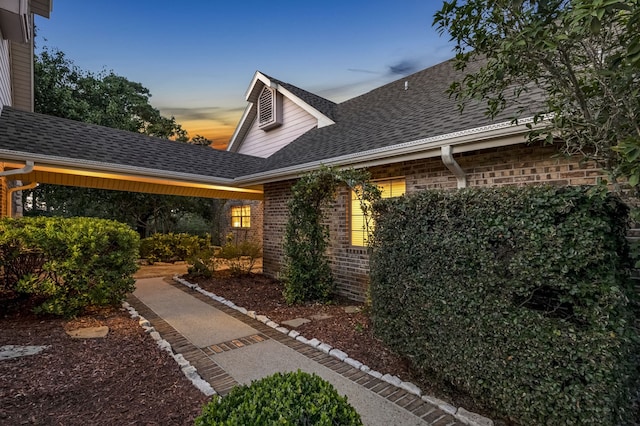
(307, 273)
(583, 54)
(64, 90)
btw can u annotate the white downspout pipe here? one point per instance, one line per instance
(10, 192)
(448, 160)
(28, 168)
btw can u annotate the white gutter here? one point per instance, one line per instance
(28, 168)
(453, 166)
(499, 134)
(106, 167)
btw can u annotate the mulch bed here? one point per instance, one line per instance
(126, 379)
(121, 379)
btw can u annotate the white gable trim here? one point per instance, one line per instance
(259, 80)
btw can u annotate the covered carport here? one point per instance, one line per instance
(37, 148)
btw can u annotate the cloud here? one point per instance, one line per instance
(363, 71)
(404, 67)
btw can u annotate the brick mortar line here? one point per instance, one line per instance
(212, 373)
(293, 344)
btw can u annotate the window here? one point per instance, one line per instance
(389, 188)
(269, 109)
(241, 216)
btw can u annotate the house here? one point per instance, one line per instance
(16, 70)
(409, 134)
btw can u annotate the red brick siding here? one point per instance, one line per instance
(514, 165)
(276, 196)
(254, 232)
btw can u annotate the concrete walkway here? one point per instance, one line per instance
(229, 348)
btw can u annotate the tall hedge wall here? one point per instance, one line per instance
(520, 296)
(67, 264)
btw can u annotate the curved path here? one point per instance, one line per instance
(229, 348)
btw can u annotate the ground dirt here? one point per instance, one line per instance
(125, 379)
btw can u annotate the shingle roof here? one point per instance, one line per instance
(40, 134)
(323, 105)
(409, 109)
(391, 115)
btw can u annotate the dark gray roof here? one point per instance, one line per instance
(383, 117)
(391, 115)
(40, 134)
(323, 105)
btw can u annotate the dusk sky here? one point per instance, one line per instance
(198, 57)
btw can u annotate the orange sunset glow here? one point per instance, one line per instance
(220, 134)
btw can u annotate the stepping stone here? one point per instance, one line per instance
(16, 351)
(296, 322)
(89, 332)
(352, 309)
(321, 317)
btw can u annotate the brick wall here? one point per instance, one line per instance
(253, 233)
(515, 165)
(276, 196)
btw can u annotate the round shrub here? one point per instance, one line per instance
(284, 398)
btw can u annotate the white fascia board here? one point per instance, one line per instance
(323, 120)
(113, 168)
(494, 135)
(237, 138)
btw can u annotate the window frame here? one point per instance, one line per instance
(243, 217)
(351, 215)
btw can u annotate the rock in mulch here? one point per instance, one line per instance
(15, 351)
(89, 332)
(296, 322)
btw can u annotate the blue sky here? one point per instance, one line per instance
(198, 57)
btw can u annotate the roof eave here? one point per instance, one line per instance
(8, 155)
(495, 135)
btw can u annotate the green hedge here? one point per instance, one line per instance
(519, 296)
(171, 247)
(68, 264)
(281, 399)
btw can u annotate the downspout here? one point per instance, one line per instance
(28, 168)
(10, 192)
(448, 160)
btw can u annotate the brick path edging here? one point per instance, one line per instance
(405, 394)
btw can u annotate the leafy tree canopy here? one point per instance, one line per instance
(64, 90)
(583, 54)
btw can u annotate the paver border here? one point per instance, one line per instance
(388, 387)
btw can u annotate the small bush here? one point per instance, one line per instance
(241, 257)
(171, 247)
(520, 296)
(290, 399)
(203, 263)
(68, 264)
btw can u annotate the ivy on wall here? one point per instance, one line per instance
(307, 272)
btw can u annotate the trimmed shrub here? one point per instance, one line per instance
(284, 398)
(68, 264)
(171, 247)
(520, 296)
(241, 257)
(203, 263)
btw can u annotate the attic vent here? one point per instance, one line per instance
(269, 109)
